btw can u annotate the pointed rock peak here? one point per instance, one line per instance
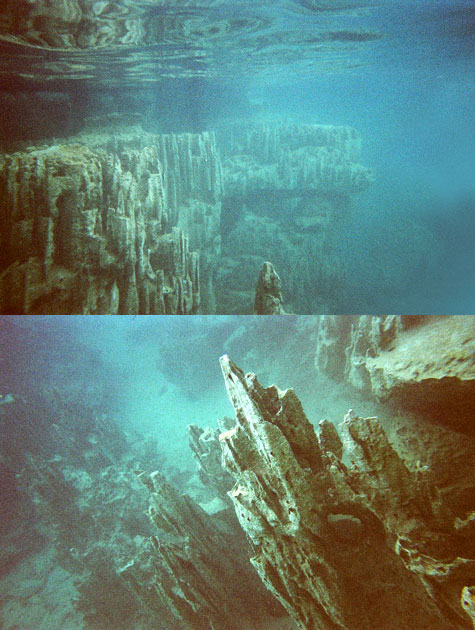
(268, 300)
(228, 367)
(239, 391)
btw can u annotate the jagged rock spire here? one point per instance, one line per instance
(268, 300)
(329, 538)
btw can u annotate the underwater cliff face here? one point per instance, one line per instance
(289, 515)
(92, 227)
(289, 88)
(103, 223)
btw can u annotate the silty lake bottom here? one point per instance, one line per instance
(154, 155)
(220, 472)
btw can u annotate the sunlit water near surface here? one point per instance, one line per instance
(401, 73)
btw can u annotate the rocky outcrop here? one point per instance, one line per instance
(204, 444)
(200, 571)
(75, 514)
(332, 341)
(340, 544)
(268, 300)
(287, 189)
(104, 225)
(192, 187)
(292, 158)
(430, 369)
(421, 364)
(81, 512)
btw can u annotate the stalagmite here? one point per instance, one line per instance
(329, 537)
(268, 300)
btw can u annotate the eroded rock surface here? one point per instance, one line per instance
(291, 157)
(287, 189)
(114, 220)
(104, 225)
(204, 444)
(423, 364)
(200, 573)
(430, 368)
(268, 300)
(367, 545)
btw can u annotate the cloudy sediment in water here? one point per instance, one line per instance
(147, 477)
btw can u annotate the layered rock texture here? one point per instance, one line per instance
(72, 515)
(268, 300)
(288, 188)
(420, 363)
(286, 157)
(120, 221)
(78, 549)
(200, 569)
(98, 226)
(347, 534)
(204, 444)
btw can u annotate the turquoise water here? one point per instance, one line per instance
(88, 403)
(402, 73)
(85, 401)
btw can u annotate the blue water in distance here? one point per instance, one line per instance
(409, 242)
(402, 73)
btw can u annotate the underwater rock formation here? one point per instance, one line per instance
(287, 189)
(200, 571)
(430, 369)
(422, 364)
(117, 220)
(103, 225)
(204, 444)
(268, 300)
(332, 341)
(75, 514)
(291, 157)
(89, 534)
(340, 545)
